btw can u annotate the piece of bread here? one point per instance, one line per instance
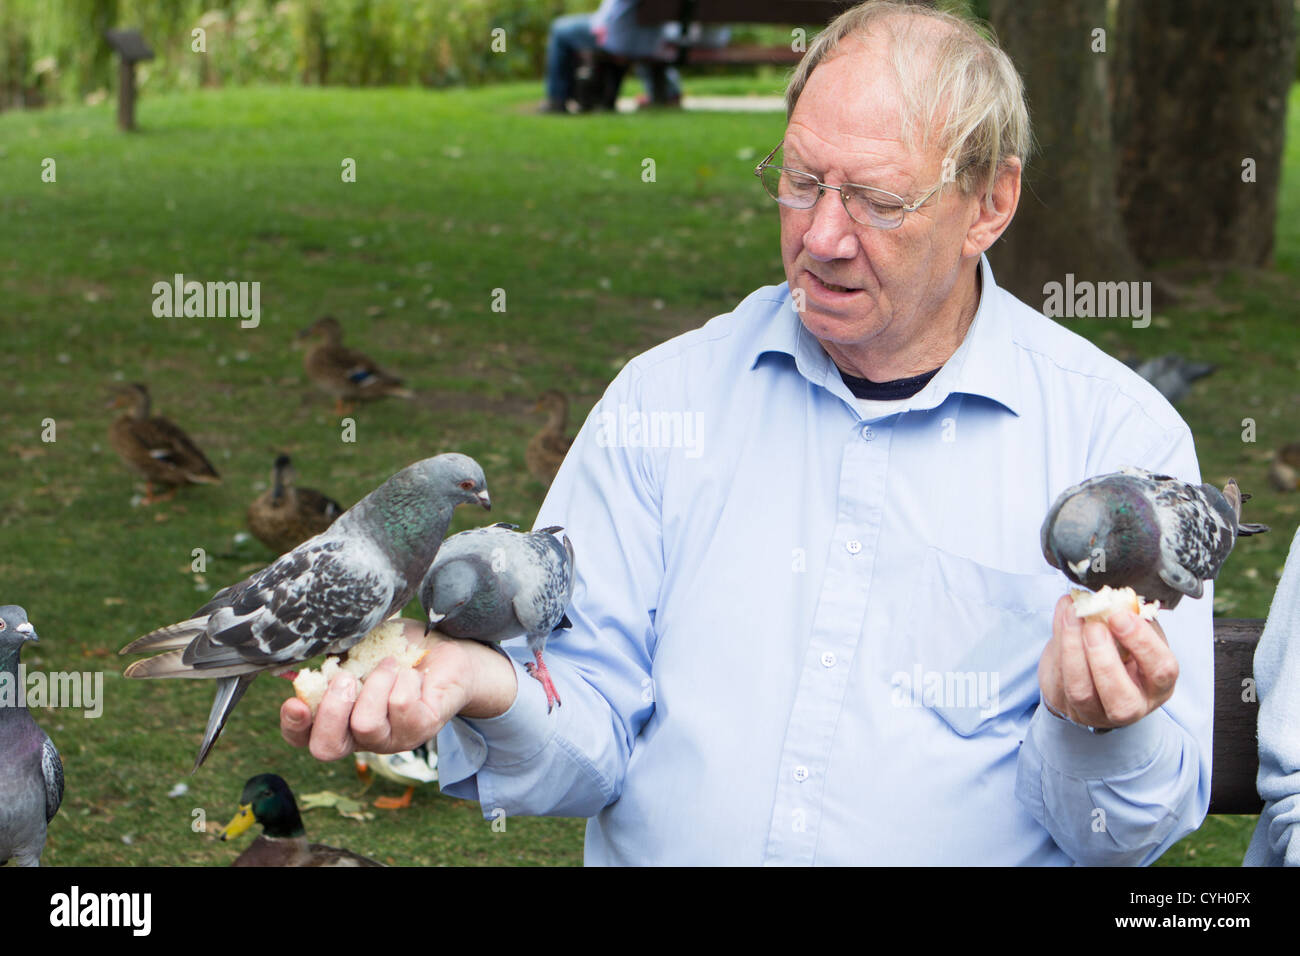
(1099, 605)
(387, 640)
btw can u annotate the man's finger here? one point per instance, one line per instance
(295, 722)
(369, 723)
(1147, 643)
(330, 737)
(1076, 676)
(1121, 701)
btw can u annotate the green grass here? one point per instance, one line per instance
(457, 194)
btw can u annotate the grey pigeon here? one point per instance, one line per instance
(323, 596)
(1155, 534)
(31, 773)
(1171, 374)
(492, 584)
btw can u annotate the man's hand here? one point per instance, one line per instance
(1082, 676)
(400, 709)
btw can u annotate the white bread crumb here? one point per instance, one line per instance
(1099, 605)
(387, 640)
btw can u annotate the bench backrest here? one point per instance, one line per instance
(1236, 712)
(687, 12)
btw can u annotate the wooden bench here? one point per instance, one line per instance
(602, 73)
(1236, 749)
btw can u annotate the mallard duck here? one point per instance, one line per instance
(342, 372)
(267, 800)
(1284, 472)
(283, 516)
(155, 447)
(410, 767)
(546, 449)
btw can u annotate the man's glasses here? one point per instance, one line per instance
(864, 204)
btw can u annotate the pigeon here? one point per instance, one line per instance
(492, 584)
(31, 772)
(1171, 374)
(323, 596)
(1160, 536)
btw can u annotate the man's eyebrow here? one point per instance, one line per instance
(790, 157)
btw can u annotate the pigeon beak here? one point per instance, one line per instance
(484, 500)
(1080, 567)
(242, 821)
(434, 620)
(26, 628)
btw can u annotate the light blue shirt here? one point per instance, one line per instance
(800, 636)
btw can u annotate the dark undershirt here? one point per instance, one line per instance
(887, 391)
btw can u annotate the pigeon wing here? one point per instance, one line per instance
(52, 771)
(315, 598)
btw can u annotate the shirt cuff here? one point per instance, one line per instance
(467, 745)
(1076, 751)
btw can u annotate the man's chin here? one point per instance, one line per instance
(845, 330)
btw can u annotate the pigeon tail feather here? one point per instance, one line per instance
(229, 692)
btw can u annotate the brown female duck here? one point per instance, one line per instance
(548, 447)
(285, 516)
(346, 374)
(155, 447)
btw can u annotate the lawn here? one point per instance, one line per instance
(457, 195)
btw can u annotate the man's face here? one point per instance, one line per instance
(846, 128)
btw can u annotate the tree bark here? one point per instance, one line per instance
(1200, 123)
(1068, 221)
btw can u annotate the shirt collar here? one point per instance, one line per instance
(980, 366)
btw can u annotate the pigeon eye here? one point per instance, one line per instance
(2, 625)
(467, 485)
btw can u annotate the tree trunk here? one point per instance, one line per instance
(1068, 222)
(1200, 119)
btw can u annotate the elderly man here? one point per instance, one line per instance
(812, 622)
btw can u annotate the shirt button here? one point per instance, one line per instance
(854, 546)
(828, 659)
(801, 773)
(867, 433)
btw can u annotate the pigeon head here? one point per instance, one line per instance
(267, 800)
(455, 478)
(15, 629)
(1097, 533)
(446, 591)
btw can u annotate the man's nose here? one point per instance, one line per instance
(832, 234)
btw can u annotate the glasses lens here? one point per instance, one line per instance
(790, 188)
(873, 207)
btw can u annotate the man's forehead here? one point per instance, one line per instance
(849, 115)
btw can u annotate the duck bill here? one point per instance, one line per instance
(241, 822)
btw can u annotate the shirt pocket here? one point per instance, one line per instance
(974, 634)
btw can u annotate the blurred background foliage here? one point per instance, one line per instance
(54, 51)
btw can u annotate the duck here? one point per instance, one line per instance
(268, 800)
(284, 516)
(546, 449)
(412, 768)
(155, 447)
(1284, 472)
(342, 372)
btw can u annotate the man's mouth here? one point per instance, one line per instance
(832, 286)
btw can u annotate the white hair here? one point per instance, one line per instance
(960, 91)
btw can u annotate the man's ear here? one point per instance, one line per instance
(994, 217)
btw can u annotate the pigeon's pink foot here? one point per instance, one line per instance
(539, 672)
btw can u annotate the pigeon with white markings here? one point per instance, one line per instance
(1155, 534)
(323, 596)
(492, 584)
(31, 772)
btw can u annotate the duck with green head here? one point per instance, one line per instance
(268, 800)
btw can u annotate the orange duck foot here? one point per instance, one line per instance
(395, 803)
